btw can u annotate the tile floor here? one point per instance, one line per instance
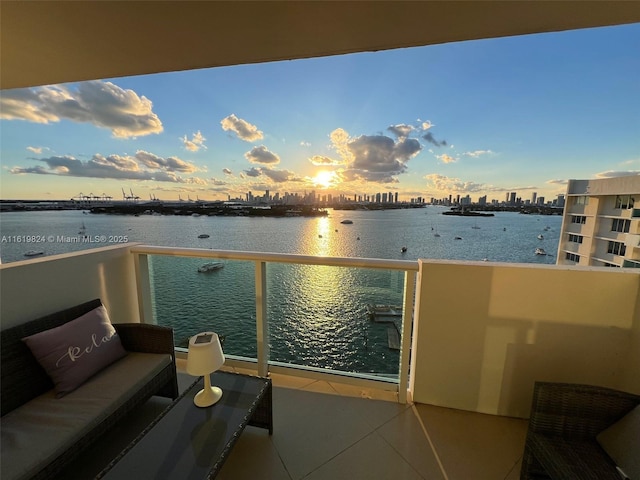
(331, 431)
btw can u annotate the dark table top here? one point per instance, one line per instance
(188, 442)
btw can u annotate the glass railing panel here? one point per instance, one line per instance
(320, 316)
(190, 301)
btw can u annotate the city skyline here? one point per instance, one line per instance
(484, 117)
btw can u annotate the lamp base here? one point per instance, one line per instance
(207, 396)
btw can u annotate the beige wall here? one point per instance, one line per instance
(486, 332)
(33, 288)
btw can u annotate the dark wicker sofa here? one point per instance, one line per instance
(565, 420)
(27, 388)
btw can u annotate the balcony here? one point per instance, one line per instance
(474, 338)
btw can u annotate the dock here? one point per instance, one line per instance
(393, 337)
(384, 313)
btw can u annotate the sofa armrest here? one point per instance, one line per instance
(577, 411)
(140, 337)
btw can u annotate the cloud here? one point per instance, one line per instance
(102, 104)
(427, 125)
(305, 144)
(431, 139)
(172, 164)
(374, 158)
(443, 183)
(243, 129)
(612, 173)
(227, 171)
(142, 166)
(253, 172)
(196, 142)
(35, 149)
(444, 158)
(262, 155)
(216, 182)
(557, 182)
(477, 153)
(280, 176)
(450, 184)
(401, 131)
(321, 160)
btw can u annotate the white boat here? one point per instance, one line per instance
(83, 229)
(33, 253)
(347, 222)
(540, 251)
(540, 237)
(210, 267)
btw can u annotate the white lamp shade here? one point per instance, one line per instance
(205, 354)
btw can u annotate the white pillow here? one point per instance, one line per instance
(621, 441)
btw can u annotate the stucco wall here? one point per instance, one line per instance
(486, 332)
(33, 288)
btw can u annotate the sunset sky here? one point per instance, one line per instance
(484, 117)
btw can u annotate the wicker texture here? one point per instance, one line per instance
(561, 439)
(24, 379)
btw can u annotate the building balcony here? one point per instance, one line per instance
(474, 337)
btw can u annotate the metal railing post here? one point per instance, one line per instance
(262, 325)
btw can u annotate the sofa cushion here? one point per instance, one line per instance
(622, 442)
(77, 350)
(35, 434)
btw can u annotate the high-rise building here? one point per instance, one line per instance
(512, 198)
(534, 197)
(601, 225)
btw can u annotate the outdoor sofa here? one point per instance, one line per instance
(43, 428)
(582, 432)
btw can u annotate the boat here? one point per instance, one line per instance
(540, 237)
(347, 222)
(83, 229)
(210, 267)
(475, 226)
(403, 249)
(33, 253)
(540, 251)
(203, 235)
(457, 238)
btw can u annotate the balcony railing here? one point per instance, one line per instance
(293, 312)
(479, 334)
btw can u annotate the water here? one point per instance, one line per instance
(317, 314)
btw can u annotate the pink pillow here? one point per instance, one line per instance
(77, 350)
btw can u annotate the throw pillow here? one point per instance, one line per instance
(621, 441)
(77, 350)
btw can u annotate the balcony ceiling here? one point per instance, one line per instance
(45, 42)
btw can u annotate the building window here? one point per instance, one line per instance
(575, 238)
(578, 219)
(617, 248)
(624, 201)
(606, 264)
(620, 225)
(572, 257)
(581, 200)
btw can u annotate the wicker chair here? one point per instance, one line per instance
(561, 439)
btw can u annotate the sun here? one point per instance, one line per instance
(325, 179)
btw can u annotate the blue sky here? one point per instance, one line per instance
(485, 117)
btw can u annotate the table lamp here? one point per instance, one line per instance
(205, 357)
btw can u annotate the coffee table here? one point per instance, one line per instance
(187, 442)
